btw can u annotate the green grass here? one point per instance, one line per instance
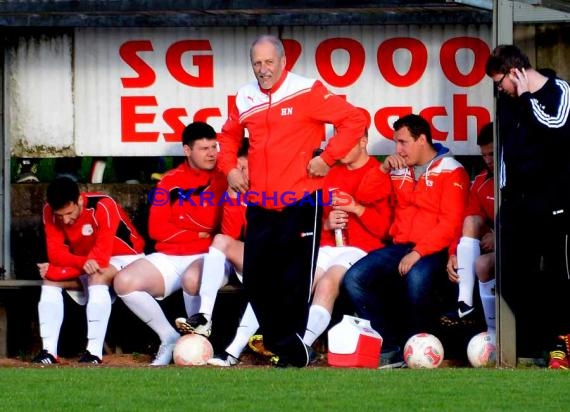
(265, 389)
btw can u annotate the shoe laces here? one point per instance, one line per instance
(558, 355)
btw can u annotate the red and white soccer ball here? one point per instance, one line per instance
(192, 350)
(423, 351)
(482, 350)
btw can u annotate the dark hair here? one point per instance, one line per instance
(417, 126)
(504, 58)
(196, 131)
(61, 192)
(485, 135)
(244, 148)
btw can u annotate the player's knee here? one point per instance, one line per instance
(221, 242)
(124, 282)
(473, 226)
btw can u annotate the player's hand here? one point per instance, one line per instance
(345, 202)
(337, 219)
(203, 235)
(393, 162)
(43, 268)
(488, 242)
(91, 267)
(317, 167)
(452, 269)
(237, 180)
(408, 262)
(520, 79)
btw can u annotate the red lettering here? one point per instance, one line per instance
(130, 118)
(172, 119)
(448, 61)
(382, 117)
(429, 113)
(203, 115)
(292, 52)
(385, 59)
(460, 113)
(128, 52)
(205, 63)
(356, 58)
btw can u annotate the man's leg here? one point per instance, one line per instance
(420, 285)
(485, 270)
(372, 284)
(468, 250)
(280, 257)
(327, 290)
(138, 285)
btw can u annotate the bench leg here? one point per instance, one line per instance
(3, 332)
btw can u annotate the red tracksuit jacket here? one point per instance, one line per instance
(102, 230)
(285, 126)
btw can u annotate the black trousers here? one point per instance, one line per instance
(279, 263)
(535, 277)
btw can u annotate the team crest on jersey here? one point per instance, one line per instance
(87, 230)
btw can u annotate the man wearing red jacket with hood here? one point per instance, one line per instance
(185, 214)
(285, 115)
(89, 238)
(393, 286)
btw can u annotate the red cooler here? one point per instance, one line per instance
(354, 344)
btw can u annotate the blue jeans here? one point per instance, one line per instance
(397, 306)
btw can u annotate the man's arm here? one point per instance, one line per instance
(57, 249)
(349, 122)
(108, 219)
(452, 209)
(229, 140)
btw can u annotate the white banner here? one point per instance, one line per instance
(135, 89)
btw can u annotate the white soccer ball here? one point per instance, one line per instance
(482, 350)
(423, 350)
(192, 350)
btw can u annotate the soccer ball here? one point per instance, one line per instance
(192, 350)
(423, 350)
(482, 350)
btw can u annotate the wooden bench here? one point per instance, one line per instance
(10, 289)
(17, 295)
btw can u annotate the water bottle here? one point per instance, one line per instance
(340, 238)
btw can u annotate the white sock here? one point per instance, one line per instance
(319, 319)
(98, 312)
(50, 314)
(149, 311)
(487, 293)
(191, 303)
(246, 329)
(468, 250)
(213, 278)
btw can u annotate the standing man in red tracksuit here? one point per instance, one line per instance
(89, 238)
(185, 214)
(284, 115)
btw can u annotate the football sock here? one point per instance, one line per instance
(487, 293)
(468, 250)
(149, 311)
(50, 314)
(213, 278)
(98, 311)
(246, 329)
(319, 319)
(191, 303)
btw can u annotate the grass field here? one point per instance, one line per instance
(268, 389)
